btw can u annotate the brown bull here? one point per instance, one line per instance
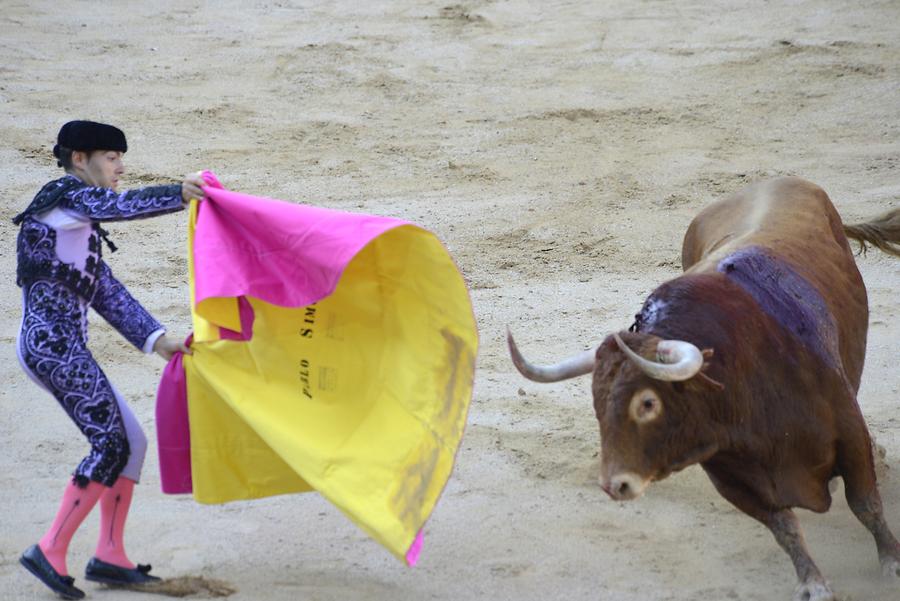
(772, 295)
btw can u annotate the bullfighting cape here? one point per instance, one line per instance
(331, 352)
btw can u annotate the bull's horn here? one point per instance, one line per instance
(679, 360)
(579, 365)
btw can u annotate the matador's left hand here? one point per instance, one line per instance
(192, 187)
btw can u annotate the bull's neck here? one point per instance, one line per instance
(696, 308)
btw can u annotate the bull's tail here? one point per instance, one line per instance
(882, 233)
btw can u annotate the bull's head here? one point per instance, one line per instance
(646, 392)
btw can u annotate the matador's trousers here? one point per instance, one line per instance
(52, 348)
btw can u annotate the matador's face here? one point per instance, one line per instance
(103, 168)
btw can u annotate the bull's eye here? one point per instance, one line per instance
(645, 406)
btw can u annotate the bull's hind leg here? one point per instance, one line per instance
(869, 511)
(857, 467)
(786, 529)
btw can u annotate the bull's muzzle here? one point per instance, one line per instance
(625, 486)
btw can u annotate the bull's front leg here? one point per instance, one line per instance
(786, 528)
(784, 525)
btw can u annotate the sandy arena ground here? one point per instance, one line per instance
(559, 149)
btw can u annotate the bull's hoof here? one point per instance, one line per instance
(890, 569)
(814, 590)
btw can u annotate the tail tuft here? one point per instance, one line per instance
(882, 232)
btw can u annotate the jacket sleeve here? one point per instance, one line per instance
(123, 312)
(104, 204)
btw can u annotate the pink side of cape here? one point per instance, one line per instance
(173, 433)
(283, 253)
(415, 549)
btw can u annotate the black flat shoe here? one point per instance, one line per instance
(35, 562)
(106, 573)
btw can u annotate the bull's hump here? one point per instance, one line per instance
(787, 297)
(761, 213)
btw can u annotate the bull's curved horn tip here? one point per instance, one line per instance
(688, 360)
(509, 338)
(517, 357)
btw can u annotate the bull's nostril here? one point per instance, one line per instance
(623, 489)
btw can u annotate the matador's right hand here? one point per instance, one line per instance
(165, 347)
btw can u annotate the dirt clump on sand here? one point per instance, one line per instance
(195, 587)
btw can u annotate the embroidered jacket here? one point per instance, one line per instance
(60, 239)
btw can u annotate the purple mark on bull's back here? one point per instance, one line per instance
(786, 297)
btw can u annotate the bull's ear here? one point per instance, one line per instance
(708, 354)
(608, 345)
(714, 383)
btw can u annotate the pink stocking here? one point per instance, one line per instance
(114, 506)
(76, 505)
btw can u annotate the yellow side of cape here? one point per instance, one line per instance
(362, 396)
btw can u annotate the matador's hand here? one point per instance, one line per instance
(192, 187)
(165, 348)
